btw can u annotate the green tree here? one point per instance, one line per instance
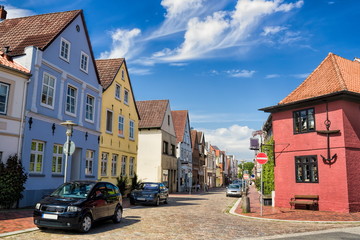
(268, 168)
(248, 166)
(135, 182)
(122, 184)
(12, 180)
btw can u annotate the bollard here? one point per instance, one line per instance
(245, 204)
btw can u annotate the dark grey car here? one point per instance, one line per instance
(151, 193)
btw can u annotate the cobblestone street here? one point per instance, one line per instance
(203, 216)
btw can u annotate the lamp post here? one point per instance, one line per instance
(242, 174)
(69, 129)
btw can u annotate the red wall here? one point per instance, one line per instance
(337, 186)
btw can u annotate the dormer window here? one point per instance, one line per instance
(65, 50)
(84, 62)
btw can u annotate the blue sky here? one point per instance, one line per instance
(220, 59)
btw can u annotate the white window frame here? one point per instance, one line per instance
(6, 97)
(112, 121)
(81, 62)
(89, 162)
(36, 153)
(123, 165)
(104, 162)
(57, 159)
(126, 96)
(131, 166)
(92, 107)
(121, 124)
(69, 47)
(45, 74)
(118, 93)
(131, 130)
(75, 100)
(114, 161)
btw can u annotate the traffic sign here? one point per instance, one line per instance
(246, 176)
(72, 148)
(261, 158)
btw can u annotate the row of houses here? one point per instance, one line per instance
(48, 75)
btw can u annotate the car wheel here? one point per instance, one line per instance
(157, 203)
(117, 215)
(132, 201)
(86, 223)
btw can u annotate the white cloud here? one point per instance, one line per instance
(140, 71)
(122, 44)
(240, 73)
(222, 118)
(272, 76)
(301, 75)
(178, 64)
(13, 12)
(235, 140)
(270, 30)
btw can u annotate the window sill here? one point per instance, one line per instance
(36, 175)
(89, 176)
(57, 175)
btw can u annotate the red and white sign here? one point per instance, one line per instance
(246, 176)
(261, 158)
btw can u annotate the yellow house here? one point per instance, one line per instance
(119, 122)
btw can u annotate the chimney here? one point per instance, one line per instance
(2, 13)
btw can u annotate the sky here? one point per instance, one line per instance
(222, 60)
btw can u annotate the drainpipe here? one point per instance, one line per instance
(21, 129)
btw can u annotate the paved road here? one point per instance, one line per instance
(194, 217)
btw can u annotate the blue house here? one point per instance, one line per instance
(64, 86)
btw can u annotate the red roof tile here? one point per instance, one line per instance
(38, 30)
(179, 119)
(108, 68)
(152, 113)
(334, 74)
(9, 63)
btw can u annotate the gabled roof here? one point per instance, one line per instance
(108, 69)
(334, 74)
(179, 119)
(201, 137)
(38, 30)
(152, 113)
(194, 139)
(7, 62)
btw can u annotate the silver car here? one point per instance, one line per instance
(234, 190)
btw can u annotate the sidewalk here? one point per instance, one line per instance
(292, 214)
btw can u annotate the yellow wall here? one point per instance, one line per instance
(111, 142)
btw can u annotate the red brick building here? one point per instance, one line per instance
(316, 130)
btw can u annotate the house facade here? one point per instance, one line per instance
(210, 163)
(195, 157)
(13, 83)
(157, 143)
(64, 86)
(119, 122)
(202, 156)
(316, 133)
(183, 149)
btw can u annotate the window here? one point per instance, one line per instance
(109, 121)
(36, 156)
(57, 160)
(306, 168)
(118, 91)
(165, 147)
(123, 165)
(168, 117)
(84, 62)
(121, 126)
(48, 90)
(71, 100)
(4, 97)
(304, 121)
(172, 150)
(89, 108)
(89, 162)
(104, 160)
(114, 164)
(131, 132)
(126, 96)
(131, 166)
(65, 50)
(122, 74)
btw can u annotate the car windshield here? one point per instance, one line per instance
(149, 186)
(73, 190)
(234, 186)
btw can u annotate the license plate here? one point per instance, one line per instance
(141, 199)
(50, 216)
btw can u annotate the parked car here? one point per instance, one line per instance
(234, 190)
(77, 204)
(150, 192)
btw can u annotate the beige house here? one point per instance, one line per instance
(157, 143)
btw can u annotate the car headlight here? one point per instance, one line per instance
(73, 209)
(37, 206)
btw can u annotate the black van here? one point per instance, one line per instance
(75, 205)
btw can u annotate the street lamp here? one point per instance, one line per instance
(69, 129)
(242, 174)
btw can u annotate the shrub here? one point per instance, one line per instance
(135, 182)
(122, 184)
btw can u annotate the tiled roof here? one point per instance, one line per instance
(38, 30)
(334, 74)
(199, 135)
(179, 119)
(152, 113)
(108, 68)
(9, 63)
